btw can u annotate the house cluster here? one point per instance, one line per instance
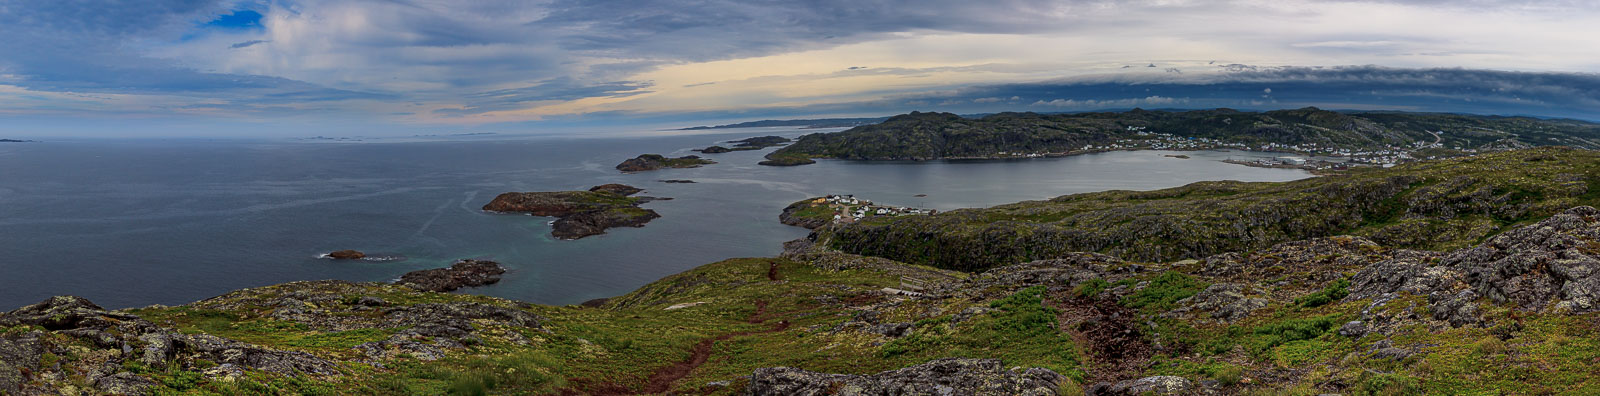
(850, 208)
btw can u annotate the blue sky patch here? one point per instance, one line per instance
(241, 19)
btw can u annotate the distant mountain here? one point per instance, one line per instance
(927, 136)
(14, 141)
(815, 123)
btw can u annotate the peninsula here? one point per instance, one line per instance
(1373, 138)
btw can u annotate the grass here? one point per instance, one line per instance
(1164, 291)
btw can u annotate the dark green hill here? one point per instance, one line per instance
(927, 136)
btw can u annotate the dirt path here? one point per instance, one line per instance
(1116, 348)
(662, 379)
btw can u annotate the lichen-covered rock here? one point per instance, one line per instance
(464, 273)
(115, 338)
(1066, 271)
(1460, 308)
(1408, 271)
(1315, 256)
(1157, 385)
(1353, 329)
(939, 377)
(1555, 262)
(1223, 302)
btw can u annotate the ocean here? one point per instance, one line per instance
(129, 223)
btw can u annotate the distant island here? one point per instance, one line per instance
(1377, 138)
(650, 162)
(15, 141)
(755, 143)
(813, 123)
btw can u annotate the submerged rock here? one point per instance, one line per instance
(464, 273)
(953, 376)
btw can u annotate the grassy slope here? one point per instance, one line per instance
(1430, 205)
(1289, 347)
(586, 349)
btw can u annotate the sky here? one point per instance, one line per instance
(402, 67)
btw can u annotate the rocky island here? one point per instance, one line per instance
(464, 273)
(15, 141)
(755, 143)
(1473, 275)
(1374, 138)
(580, 213)
(650, 162)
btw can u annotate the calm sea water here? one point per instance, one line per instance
(144, 222)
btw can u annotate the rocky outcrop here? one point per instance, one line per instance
(1553, 264)
(650, 162)
(347, 255)
(115, 342)
(1060, 273)
(791, 215)
(676, 181)
(580, 213)
(1158, 385)
(464, 273)
(1221, 302)
(939, 377)
(715, 150)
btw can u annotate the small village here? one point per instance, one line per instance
(848, 208)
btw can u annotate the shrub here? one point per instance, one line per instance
(1334, 292)
(1091, 288)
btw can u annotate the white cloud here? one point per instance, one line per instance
(1112, 103)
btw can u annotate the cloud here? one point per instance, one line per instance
(508, 61)
(248, 43)
(1112, 103)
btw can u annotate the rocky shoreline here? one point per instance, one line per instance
(580, 213)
